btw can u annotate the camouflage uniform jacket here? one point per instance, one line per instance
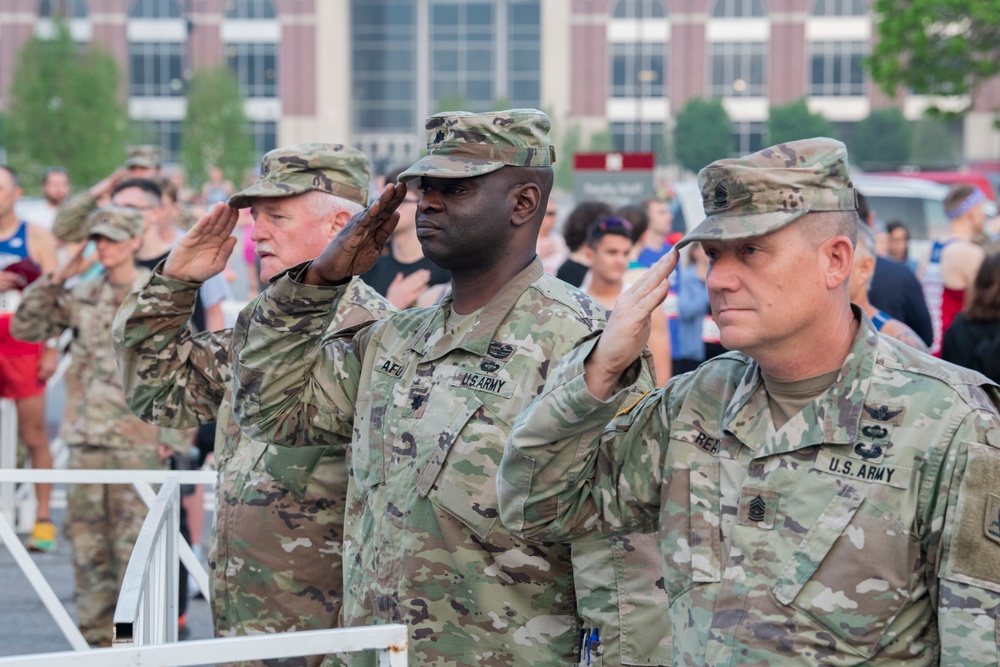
(428, 409)
(70, 225)
(178, 378)
(864, 531)
(96, 413)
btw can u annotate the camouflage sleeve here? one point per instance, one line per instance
(43, 313)
(69, 225)
(576, 466)
(292, 385)
(172, 376)
(965, 541)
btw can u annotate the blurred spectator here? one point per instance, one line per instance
(894, 288)
(693, 308)
(26, 251)
(143, 161)
(55, 188)
(973, 339)
(402, 274)
(954, 259)
(609, 245)
(216, 189)
(861, 273)
(899, 245)
(579, 220)
(551, 247)
(636, 216)
(656, 244)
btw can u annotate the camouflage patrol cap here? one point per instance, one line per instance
(115, 222)
(334, 168)
(770, 189)
(146, 156)
(462, 144)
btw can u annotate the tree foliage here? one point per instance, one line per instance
(703, 134)
(215, 131)
(794, 121)
(65, 109)
(936, 47)
(883, 140)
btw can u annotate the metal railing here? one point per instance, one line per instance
(146, 612)
(141, 480)
(388, 640)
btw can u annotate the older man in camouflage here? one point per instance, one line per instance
(275, 557)
(427, 397)
(827, 496)
(102, 520)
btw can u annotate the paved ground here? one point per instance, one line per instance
(26, 625)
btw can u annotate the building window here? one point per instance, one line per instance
(737, 69)
(637, 69)
(638, 137)
(462, 48)
(384, 60)
(155, 69)
(67, 9)
(163, 133)
(748, 137)
(256, 66)
(835, 68)
(524, 54)
(839, 8)
(265, 136)
(155, 9)
(738, 9)
(639, 9)
(250, 9)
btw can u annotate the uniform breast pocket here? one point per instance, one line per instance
(460, 475)
(367, 450)
(854, 569)
(689, 528)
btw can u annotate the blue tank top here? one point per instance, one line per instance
(880, 319)
(14, 248)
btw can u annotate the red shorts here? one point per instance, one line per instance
(18, 365)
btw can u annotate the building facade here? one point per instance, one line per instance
(369, 71)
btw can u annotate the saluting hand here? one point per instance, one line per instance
(357, 246)
(205, 249)
(628, 328)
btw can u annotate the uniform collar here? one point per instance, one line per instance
(831, 419)
(433, 340)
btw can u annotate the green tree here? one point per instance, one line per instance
(568, 141)
(215, 131)
(937, 144)
(883, 140)
(65, 109)
(794, 121)
(600, 142)
(702, 134)
(452, 103)
(935, 47)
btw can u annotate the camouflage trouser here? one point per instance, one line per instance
(275, 560)
(102, 524)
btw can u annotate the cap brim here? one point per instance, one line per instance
(245, 198)
(144, 164)
(114, 233)
(737, 227)
(444, 166)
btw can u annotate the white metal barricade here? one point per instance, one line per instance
(146, 612)
(388, 640)
(141, 480)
